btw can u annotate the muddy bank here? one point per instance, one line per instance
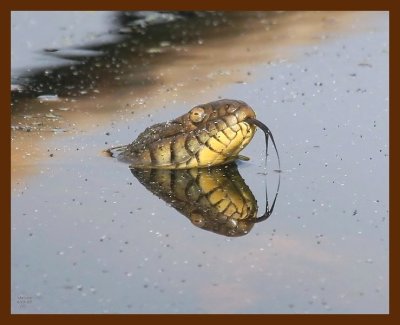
(88, 237)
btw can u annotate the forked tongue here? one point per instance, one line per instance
(268, 134)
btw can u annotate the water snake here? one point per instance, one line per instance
(208, 135)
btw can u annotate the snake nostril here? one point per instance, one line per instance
(231, 109)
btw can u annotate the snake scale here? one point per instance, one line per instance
(208, 135)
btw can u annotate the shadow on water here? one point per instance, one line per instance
(216, 199)
(143, 41)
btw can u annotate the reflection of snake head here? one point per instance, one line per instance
(215, 199)
(208, 135)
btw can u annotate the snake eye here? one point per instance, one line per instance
(197, 114)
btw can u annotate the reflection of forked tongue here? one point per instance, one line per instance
(268, 133)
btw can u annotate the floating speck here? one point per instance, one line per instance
(52, 116)
(154, 50)
(165, 44)
(48, 98)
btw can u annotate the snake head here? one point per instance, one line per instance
(208, 135)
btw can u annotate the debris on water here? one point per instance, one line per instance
(52, 116)
(154, 50)
(58, 130)
(149, 18)
(165, 44)
(125, 30)
(48, 98)
(365, 64)
(17, 88)
(63, 109)
(51, 50)
(37, 126)
(24, 128)
(355, 212)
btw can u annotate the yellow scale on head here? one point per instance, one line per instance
(224, 146)
(224, 197)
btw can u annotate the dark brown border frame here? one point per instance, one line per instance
(385, 5)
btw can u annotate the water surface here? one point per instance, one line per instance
(87, 237)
